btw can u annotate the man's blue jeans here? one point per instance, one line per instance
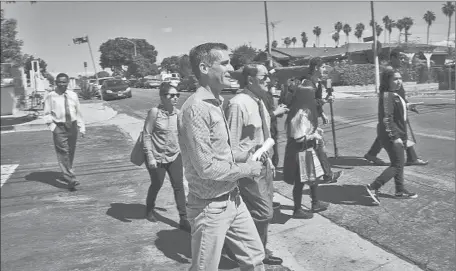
(216, 222)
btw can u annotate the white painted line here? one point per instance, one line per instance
(373, 124)
(7, 171)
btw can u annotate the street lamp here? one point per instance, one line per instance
(134, 44)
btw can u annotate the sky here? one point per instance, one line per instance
(47, 28)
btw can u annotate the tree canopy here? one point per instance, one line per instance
(171, 64)
(10, 45)
(117, 53)
(28, 65)
(242, 55)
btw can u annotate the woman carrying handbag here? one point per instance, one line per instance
(162, 151)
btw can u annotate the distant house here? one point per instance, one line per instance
(356, 53)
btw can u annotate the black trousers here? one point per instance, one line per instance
(377, 147)
(176, 176)
(65, 147)
(396, 169)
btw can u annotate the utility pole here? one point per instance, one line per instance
(94, 66)
(267, 33)
(377, 68)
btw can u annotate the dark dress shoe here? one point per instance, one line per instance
(272, 260)
(302, 214)
(151, 216)
(319, 206)
(333, 178)
(184, 225)
(72, 185)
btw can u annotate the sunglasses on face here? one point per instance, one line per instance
(173, 95)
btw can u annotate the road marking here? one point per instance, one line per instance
(7, 171)
(373, 124)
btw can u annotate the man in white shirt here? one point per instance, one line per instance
(249, 123)
(62, 113)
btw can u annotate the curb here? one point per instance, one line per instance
(26, 127)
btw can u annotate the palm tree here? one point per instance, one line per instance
(359, 30)
(274, 44)
(287, 41)
(429, 17)
(408, 22)
(336, 37)
(338, 27)
(294, 40)
(378, 30)
(304, 39)
(390, 27)
(387, 22)
(400, 25)
(347, 29)
(317, 32)
(448, 9)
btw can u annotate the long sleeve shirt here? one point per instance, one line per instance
(392, 116)
(204, 141)
(245, 124)
(160, 136)
(54, 109)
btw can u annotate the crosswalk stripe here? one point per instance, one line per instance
(7, 171)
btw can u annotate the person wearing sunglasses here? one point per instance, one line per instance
(163, 153)
(249, 123)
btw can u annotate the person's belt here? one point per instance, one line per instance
(230, 195)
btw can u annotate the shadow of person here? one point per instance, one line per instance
(175, 244)
(349, 161)
(279, 217)
(47, 177)
(125, 212)
(343, 194)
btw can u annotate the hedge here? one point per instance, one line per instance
(344, 74)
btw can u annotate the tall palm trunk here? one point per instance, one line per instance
(449, 28)
(429, 26)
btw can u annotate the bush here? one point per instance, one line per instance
(189, 83)
(345, 74)
(88, 91)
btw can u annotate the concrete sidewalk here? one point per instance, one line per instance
(94, 113)
(313, 245)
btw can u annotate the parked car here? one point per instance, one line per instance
(151, 83)
(234, 87)
(174, 80)
(115, 89)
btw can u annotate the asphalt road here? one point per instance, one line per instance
(421, 230)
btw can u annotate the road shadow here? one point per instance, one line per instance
(343, 194)
(176, 245)
(349, 161)
(126, 212)
(48, 177)
(279, 217)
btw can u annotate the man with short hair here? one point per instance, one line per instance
(215, 208)
(62, 114)
(249, 123)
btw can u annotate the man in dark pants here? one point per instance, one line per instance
(412, 157)
(62, 114)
